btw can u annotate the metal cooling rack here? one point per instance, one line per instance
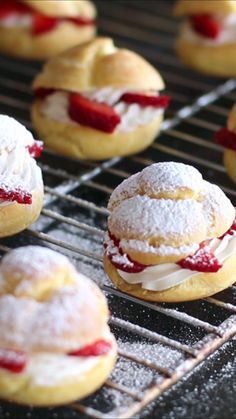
(158, 343)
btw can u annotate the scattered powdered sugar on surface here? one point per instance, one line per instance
(13, 134)
(170, 176)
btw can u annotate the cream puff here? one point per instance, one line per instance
(55, 343)
(97, 101)
(207, 39)
(227, 138)
(171, 235)
(35, 29)
(21, 184)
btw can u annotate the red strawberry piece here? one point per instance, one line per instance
(206, 25)
(101, 347)
(81, 21)
(145, 100)
(202, 261)
(93, 114)
(36, 149)
(12, 361)
(43, 24)
(226, 138)
(18, 195)
(131, 267)
(42, 92)
(9, 7)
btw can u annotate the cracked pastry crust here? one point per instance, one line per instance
(19, 42)
(95, 65)
(63, 311)
(159, 215)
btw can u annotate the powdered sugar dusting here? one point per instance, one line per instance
(163, 218)
(170, 176)
(70, 314)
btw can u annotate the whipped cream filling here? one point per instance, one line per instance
(50, 369)
(167, 275)
(18, 169)
(56, 105)
(17, 20)
(226, 36)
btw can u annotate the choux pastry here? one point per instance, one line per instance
(21, 184)
(97, 101)
(39, 29)
(171, 235)
(55, 344)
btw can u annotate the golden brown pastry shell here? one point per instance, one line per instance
(191, 7)
(17, 388)
(19, 42)
(199, 286)
(63, 8)
(16, 217)
(86, 143)
(230, 163)
(98, 64)
(217, 61)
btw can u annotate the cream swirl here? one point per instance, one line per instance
(18, 169)
(56, 106)
(226, 36)
(167, 275)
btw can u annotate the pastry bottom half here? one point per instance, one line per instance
(230, 163)
(86, 143)
(19, 388)
(19, 42)
(217, 60)
(199, 286)
(16, 217)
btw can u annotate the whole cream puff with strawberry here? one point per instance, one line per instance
(171, 235)
(97, 101)
(226, 137)
(21, 183)
(207, 39)
(39, 29)
(55, 343)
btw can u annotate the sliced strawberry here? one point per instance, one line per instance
(206, 26)
(81, 21)
(93, 114)
(131, 267)
(9, 7)
(43, 92)
(12, 361)
(36, 149)
(202, 261)
(18, 195)
(42, 24)
(101, 347)
(226, 138)
(145, 100)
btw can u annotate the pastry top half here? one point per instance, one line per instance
(20, 175)
(163, 213)
(46, 305)
(192, 7)
(63, 8)
(98, 63)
